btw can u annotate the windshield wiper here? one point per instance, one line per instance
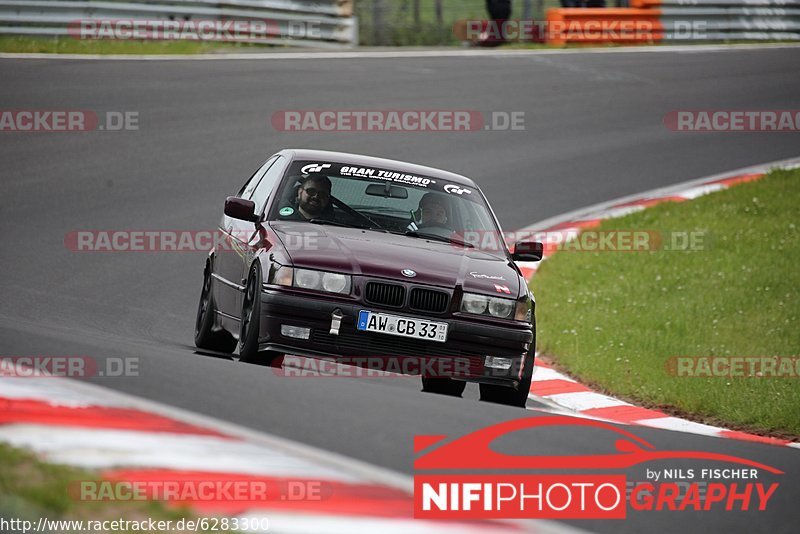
(424, 235)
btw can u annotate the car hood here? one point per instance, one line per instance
(385, 255)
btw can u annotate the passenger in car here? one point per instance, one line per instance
(432, 212)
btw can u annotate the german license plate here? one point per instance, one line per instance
(402, 326)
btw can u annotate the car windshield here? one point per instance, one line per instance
(386, 200)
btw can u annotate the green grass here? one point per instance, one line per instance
(68, 45)
(30, 489)
(614, 319)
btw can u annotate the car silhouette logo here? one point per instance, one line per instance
(473, 451)
(409, 273)
(315, 167)
(456, 190)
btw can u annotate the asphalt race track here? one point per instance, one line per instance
(593, 132)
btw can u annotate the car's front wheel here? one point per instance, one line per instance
(205, 337)
(250, 324)
(443, 386)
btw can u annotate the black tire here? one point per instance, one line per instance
(443, 386)
(205, 337)
(508, 395)
(250, 324)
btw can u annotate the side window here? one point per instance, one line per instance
(267, 184)
(247, 189)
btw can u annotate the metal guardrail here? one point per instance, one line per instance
(655, 21)
(314, 23)
(710, 3)
(720, 20)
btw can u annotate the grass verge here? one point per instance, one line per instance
(68, 45)
(31, 489)
(614, 320)
(427, 34)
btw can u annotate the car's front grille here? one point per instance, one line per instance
(385, 294)
(428, 300)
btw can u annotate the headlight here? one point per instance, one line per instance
(472, 303)
(500, 307)
(307, 279)
(311, 279)
(334, 282)
(484, 305)
(322, 281)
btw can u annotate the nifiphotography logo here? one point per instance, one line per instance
(496, 489)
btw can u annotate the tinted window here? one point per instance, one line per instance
(267, 184)
(390, 199)
(247, 189)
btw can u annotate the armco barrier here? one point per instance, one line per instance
(716, 20)
(317, 23)
(680, 20)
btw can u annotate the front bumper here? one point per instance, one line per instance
(467, 345)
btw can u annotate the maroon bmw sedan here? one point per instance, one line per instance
(356, 258)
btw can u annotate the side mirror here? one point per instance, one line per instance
(527, 251)
(242, 209)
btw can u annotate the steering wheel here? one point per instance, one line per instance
(350, 211)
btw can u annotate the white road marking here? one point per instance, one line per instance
(97, 448)
(585, 400)
(543, 373)
(53, 391)
(590, 211)
(699, 191)
(681, 425)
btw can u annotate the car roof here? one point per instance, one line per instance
(371, 161)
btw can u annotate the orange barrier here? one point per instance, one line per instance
(646, 22)
(601, 26)
(645, 4)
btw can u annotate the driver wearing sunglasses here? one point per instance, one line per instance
(314, 197)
